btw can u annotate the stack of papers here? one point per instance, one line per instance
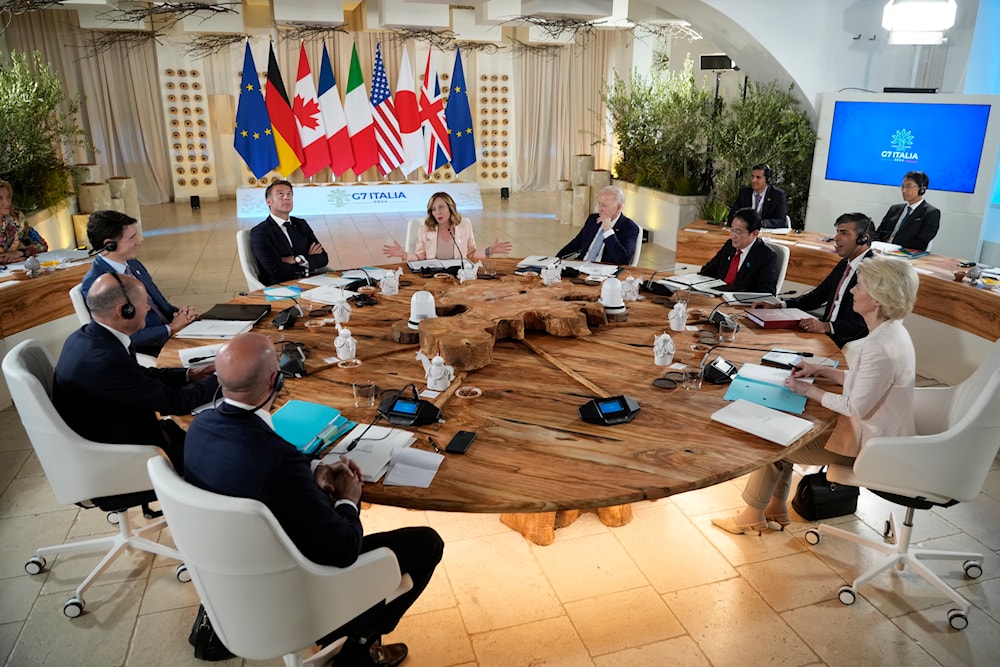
(202, 355)
(419, 265)
(367, 272)
(328, 295)
(537, 261)
(374, 452)
(765, 386)
(215, 329)
(763, 422)
(413, 467)
(325, 280)
(310, 426)
(593, 269)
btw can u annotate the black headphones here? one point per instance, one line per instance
(920, 178)
(865, 237)
(276, 386)
(766, 168)
(128, 310)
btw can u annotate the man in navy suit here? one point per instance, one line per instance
(102, 392)
(755, 269)
(839, 321)
(914, 223)
(116, 237)
(284, 247)
(769, 201)
(607, 236)
(233, 450)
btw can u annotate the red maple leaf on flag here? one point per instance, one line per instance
(306, 112)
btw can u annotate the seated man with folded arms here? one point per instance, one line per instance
(116, 238)
(839, 321)
(102, 392)
(744, 261)
(283, 246)
(233, 450)
(608, 235)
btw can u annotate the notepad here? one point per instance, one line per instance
(763, 422)
(413, 467)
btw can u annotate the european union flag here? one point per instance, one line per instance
(458, 116)
(254, 139)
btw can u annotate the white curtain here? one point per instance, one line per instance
(121, 111)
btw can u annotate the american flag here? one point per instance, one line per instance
(390, 147)
(436, 142)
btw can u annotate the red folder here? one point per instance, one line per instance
(777, 318)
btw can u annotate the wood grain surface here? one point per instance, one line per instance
(939, 298)
(36, 301)
(534, 453)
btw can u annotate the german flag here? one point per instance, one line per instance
(286, 133)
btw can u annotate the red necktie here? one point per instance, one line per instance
(836, 298)
(734, 266)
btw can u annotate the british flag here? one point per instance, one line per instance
(432, 119)
(390, 147)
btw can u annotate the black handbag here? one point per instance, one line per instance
(818, 498)
(207, 645)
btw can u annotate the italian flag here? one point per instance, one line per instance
(359, 118)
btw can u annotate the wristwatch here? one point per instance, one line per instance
(489, 251)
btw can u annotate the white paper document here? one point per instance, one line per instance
(537, 260)
(419, 265)
(764, 422)
(373, 452)
(592, 269)
(413, 467)
(366, 272)
(325, 280)
(215, 329)
(199, 356)
(328, 295)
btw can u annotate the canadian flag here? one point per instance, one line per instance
(309, 120)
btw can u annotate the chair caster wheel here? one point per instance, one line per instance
(113, 518)
(74, 607)
(973, 569)
(813, 537)
(847, 595)
(182, 574)
(35, 565)
(957, 619)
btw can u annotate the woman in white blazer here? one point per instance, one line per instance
(445, 235)
(877, 398)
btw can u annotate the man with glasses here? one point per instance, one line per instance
(745, 262)
(284, 247)
(914, 223)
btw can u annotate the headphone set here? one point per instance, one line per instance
(766, 168)
(865, 237)
(920, 178)
(128, 310)
(109, 246)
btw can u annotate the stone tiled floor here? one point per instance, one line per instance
(667, 589)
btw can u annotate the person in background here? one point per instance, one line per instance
(914, 223)
(18, 239)
(769, 201)
(446, 234)
(115, 237)
(284, 247)
(877, 399)
(744, 261)
(606, 236)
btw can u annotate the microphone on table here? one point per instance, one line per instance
(715, 317)
(721, 371)
(658, 288)
(286, 318)
(457, 248)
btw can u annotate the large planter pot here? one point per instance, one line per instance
(662, 213)
(55, 224)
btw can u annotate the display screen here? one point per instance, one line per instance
(610, 406)
(878, 142)
(405, 407)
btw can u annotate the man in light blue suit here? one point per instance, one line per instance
(116, 238)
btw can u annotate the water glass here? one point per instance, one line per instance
(692, 378)
(682, 296)
(364, 394)
(727, 331)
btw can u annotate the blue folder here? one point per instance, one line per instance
(309, 426)
(766, 394)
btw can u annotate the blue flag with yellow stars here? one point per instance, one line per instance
(458, 117)
(254, 140)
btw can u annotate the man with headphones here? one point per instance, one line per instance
(839, 321)
(769, 201)
(102, 392)
(914, 223)
(233, 450)
(115, 238)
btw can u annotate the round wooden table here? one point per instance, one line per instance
(535, 461)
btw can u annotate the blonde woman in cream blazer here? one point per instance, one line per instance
(444, 234)
(877, 399)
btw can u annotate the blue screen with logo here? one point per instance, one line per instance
(878, 142)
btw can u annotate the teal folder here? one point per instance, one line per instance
(309, 426)
(768, 395)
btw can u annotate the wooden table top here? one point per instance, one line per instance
(533, 452)
(25, 304)
(939, 297)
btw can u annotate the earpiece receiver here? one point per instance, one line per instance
(128, 310)
(865, 237)
(109, 246)
(764, 167)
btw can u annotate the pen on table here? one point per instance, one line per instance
(433, 444)
(195, 360)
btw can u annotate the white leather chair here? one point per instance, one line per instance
(412, 229)
(264, 598)
(89, 474)
(946, 463)
(638, 247)
(783, 254)
(83, 314)
(247, 262)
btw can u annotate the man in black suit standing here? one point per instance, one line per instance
(608, 235)
(284, 247)
(839, 321)
(744, 261)
(914, 223)
(233, 450)
(102, 392)
(769, 201)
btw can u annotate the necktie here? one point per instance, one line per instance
(902, 221)
(835, 299)
(131, 352)
(595, 246)
(291, 234)
(756, 202)
(734, 266)
(149, 299)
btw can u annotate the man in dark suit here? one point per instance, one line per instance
(233, 450)
(607, 236)
(105, 395)
(284, 247)
(769, 201)
(839, 321)
(914, 223)
(744, 261)
(116, 237)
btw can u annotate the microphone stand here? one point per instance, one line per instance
(715, 317)
(648, 285)
(457, 248)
